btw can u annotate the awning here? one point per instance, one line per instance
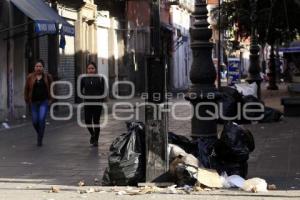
(290, 50)
(293, 48)
(45, 18)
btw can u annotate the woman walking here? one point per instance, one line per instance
(37, 95)
(92, 85)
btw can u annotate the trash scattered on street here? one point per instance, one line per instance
(5, 125)
(233, 99)
(96, 180)
(272, 115)
(247, 89)
(82, 191)
(81, 183)
(255, 185)
(209, 178)
(194, 169)
(26, 163)
(121, 192)
(172, 189)
(54, 189)
(272, 187)
(232, 181)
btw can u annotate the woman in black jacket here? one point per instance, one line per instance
(92, 85)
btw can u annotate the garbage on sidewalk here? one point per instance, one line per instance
(255, 185)
(5, 125)
(232, 102)
(229, 153)
(247, 89)
(204, 164)
(126, 162)
(251, 185)
(271, 115)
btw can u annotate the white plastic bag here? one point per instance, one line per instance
(255, 185)
(247, 89)
(232, 181)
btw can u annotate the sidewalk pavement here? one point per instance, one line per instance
(28, 172)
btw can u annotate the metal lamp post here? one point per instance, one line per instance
(254, 68)
(202, 92)
(272, 70)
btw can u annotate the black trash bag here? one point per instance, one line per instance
(106, 179)
(185, 175)
(271, 115)
(235, 144)
(205, 152)
(228, 103)
(183, 142)
(234, 93)
(240, 169)
(126, 162)
(251, 114)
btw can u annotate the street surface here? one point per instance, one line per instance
(28, 172)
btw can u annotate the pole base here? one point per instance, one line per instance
(272, 87)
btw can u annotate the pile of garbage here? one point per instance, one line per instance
(234, 98)
(194, 165)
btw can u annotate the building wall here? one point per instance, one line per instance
(12, 63)
(66, 69)
(182, 54)
(66, 57)
(103, 23)
(19, 66)
(138, 42)
(138, 13)
(3, 60)
(43, 48)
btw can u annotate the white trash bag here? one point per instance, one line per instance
(247, 89)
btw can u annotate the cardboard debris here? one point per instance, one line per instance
(139, 191)
(121, 192)
(54, 189)
(198, 189)
(209, 178)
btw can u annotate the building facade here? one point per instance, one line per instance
(97, 38)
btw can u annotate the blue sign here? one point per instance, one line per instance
(67, 30)
(45, 27)
(234, 72)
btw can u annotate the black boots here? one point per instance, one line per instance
(94, 139)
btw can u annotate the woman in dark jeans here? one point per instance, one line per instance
(92, 86)
(37, 95)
